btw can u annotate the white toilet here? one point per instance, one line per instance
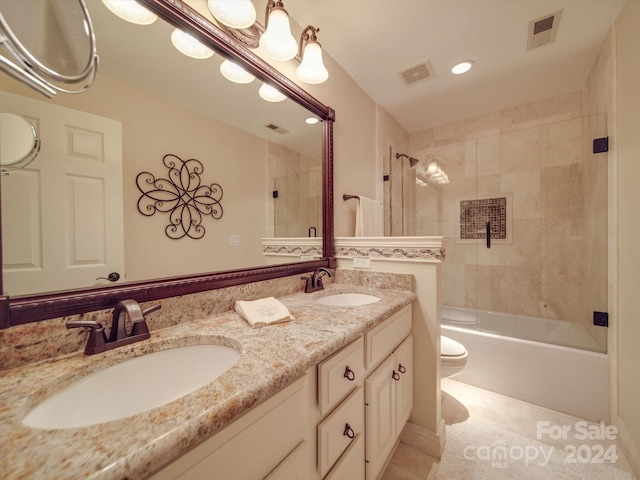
(453, 357)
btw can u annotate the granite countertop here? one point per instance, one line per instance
(134, 447)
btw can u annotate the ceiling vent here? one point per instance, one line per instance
(543, 31)
(417, 73)
(277, 129)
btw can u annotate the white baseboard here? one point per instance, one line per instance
(426, 441)
(629, 447)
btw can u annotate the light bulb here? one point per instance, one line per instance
(311, 69)
(131, 11)
(235, 73)
(433, 168)
(233, 13)
(270, 94)
(277, 42)
(190, 46)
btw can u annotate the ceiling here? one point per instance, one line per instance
(374, 39)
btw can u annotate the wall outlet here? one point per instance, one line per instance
(234, 240)
(361, 262)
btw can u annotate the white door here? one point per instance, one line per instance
(62, 218)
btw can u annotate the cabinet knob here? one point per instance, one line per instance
(348, 431)
(401, 368)
(395, 375)
(349, 374)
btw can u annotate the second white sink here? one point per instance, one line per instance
(348, 300)
(133, 386)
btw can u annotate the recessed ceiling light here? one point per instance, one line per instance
(462, 67)
(311, 120)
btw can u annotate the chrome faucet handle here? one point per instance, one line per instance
(97, 340)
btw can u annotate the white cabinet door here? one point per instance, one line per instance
(380, 407)
(404, 386)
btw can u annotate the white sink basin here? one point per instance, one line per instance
(133, 386)
(347, 300)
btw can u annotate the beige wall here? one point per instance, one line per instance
(628, 203)
(154, 127)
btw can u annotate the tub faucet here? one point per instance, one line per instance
(314, 282)
(98, 341)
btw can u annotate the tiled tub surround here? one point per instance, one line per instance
(272, 357)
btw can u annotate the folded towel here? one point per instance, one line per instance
(265, 311)
(369, 218)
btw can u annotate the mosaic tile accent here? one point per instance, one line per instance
(292, 250)
(475, 213)
(392, 253)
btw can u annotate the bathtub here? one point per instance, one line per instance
(555, 366)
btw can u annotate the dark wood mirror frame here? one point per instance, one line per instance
(20, 310)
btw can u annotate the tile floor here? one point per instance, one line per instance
(493, 437)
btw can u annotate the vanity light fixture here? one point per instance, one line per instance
(462, 67)
(190, 46)
(235, 73)
(311, 69)
(270, 94)
(131, 11)
(233, 13)
(277, 41)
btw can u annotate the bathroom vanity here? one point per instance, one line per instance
(359, 397)
(302, 401)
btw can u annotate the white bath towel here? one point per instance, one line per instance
(265, 311)
(369, 218)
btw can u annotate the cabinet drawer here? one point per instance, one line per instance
(339, 430)
(294, 467)
(384, 338)
(340, 374)
(351, 464)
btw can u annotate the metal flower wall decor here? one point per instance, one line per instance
(182, 195)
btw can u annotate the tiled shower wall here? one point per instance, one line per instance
(298, 180)
(535, 155)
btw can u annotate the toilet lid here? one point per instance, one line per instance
(451, 348)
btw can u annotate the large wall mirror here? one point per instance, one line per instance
(149, 101)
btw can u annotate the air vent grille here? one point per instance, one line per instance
(543, 30)
(416, 73)
(277, 128)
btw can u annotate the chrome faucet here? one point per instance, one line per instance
(98, 341)
(314, 282)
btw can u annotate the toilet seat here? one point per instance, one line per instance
(451, 350)
(453, 357)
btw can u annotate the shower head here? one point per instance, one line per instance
(412, 161)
